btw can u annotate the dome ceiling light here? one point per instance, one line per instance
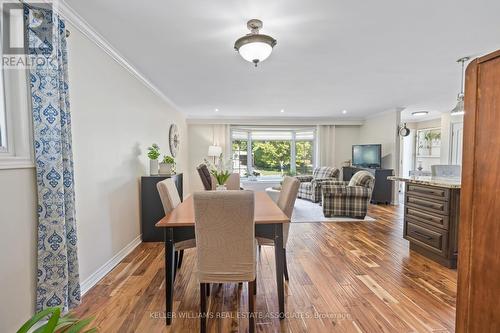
(255, 47)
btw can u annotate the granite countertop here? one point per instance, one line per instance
(448, 182)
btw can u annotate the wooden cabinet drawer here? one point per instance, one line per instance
(436, 220)
(425, 204)
(431, 192)
(433, 239)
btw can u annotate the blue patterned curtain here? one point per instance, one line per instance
(57, 273)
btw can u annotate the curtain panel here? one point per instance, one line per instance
(57, 260)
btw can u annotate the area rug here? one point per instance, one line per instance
(307, 212)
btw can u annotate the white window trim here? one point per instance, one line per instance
(18, 119)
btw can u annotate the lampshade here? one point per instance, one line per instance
(255, 47)
(255, 52)
(214, 151)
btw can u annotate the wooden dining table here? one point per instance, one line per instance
(178, 225)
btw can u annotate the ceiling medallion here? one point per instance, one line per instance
(255, 47)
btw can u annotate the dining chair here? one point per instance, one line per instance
(226, 245)
(170, 199)
(286, 202)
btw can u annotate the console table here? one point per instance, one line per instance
(431, 217)
(151, 206)
(382, 191)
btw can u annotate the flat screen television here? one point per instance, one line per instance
(367, 156)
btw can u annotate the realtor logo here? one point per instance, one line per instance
(15, 47)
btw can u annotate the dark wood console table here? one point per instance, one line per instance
(151, 206)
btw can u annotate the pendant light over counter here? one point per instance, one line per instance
(459, 108)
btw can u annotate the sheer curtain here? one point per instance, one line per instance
(57, 271)
(325, 148)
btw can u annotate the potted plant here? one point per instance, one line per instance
(153, 154)
(50, 320)
(167, 165)
(221, 172)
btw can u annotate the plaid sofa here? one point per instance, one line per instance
(310, 186)
(349, 199)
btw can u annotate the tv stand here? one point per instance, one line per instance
(382, 191)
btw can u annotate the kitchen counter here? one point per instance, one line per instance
(446, 182)
(431, 216)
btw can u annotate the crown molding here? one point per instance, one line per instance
(275, 121)
(78, 22)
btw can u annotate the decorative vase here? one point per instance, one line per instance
(221, 187)
(153, 167)
(166, 169)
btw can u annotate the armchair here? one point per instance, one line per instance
(349, 199)
(310, 186)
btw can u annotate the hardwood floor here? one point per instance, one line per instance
(344, 277)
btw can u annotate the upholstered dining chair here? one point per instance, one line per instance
(170, 199)
(286, 202)
(226, 245)
(206, 177)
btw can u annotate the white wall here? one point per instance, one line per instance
(17, 248)
(200, 136)
(114, 118)
(382, 129)
(345, 138)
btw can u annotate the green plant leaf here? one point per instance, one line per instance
(51, 325)
(37, 317)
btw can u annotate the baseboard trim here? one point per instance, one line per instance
(95, 277)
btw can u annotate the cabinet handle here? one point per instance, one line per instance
(424, 216)
(427, 204)
(422, 235)
(426, 190)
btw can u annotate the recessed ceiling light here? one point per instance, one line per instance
(282, 111)
(216, 110)
(344, 111)
(420, 113)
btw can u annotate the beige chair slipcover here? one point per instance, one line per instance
(286, 202)
(170, 199)
(225, 236)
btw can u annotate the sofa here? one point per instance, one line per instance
(349, 199)
(310, 186)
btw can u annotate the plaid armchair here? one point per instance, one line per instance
(349, 199)
(310, 186)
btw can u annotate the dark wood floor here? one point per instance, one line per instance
(344, 277)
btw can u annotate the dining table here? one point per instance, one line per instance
(178, 225)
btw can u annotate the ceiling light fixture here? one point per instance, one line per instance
(216, 110)
(344, 111)
(459, 108)
(420, 113)
(255, 47)
(282, 111)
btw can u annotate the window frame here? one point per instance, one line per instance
(18, 152)
(293, 141)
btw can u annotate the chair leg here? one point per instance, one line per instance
(176, 260)
(285, 268)
(255, 286)
(251, 306)
(203, 308)
(207, 289)
(181, 255)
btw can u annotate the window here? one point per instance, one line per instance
(272, 152)
(16, 144)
